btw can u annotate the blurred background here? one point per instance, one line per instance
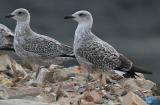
(131, 26)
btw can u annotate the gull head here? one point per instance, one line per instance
(81, 17)
(20, 15)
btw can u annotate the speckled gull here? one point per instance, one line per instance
(6, 38)
(92, 52)
(31, 45)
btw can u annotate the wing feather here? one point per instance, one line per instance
(99, 53)
(45, 47)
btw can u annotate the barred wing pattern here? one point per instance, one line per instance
(6, 38)
(45, 47)
(100, 54)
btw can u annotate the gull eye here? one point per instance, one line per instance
(20, 13)
(81, 14)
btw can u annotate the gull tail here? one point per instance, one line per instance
(132, 72)
(68, 56)
(68, 52)
(7, 49)
(67, 49)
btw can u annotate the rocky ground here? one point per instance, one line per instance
(56, 85)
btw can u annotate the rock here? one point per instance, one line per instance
(52, 67)
(84, 102)
(5, 81)
(116, 76)
(110, 102)
(97, 97)
(3, 92)
(60, 92)
(67, 86)
(55, 73)
(46, 97)
(70, 86)
(156, 90)
(59, 75)
(28, 64)
(138, 84)
(87, 96)
(42, 76)
(140, 94)
(9, 65)
(107, 95)
(20, 102)
(18, 92)
(132, 99)
(17, 68)
(66, 101)
(92, 97)
(118, 90)
(5, 63)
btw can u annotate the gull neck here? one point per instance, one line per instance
(83, 28)
(23, 28)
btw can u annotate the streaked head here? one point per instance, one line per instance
(20, 14)
(81, 17)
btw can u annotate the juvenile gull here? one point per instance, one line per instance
(6, 38)
(94, 53)
(33, 46)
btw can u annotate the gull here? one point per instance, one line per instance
(94, 53)
(35, 47)
(6, 38)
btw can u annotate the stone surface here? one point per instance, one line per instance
(132, 99)
(18, 92)
(5, 81)
(42, 76)
(138, 84)
(5, 63)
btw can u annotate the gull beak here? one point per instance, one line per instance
(69, 17)
(9, 16)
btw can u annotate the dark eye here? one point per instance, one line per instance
(20, 13)
(81, 14)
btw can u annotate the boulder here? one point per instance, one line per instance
(132, 99)
(138, 84)
(20, 102)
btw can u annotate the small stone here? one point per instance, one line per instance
(118, 90)
(52, 67)
(97, 97)
(107, 95)
(87, 96)
(42, 75)
(7, 82)
(84, 102)
(47, 97)
(156, 90)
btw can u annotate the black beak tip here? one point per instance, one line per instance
(69, 17)
(9, 16)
